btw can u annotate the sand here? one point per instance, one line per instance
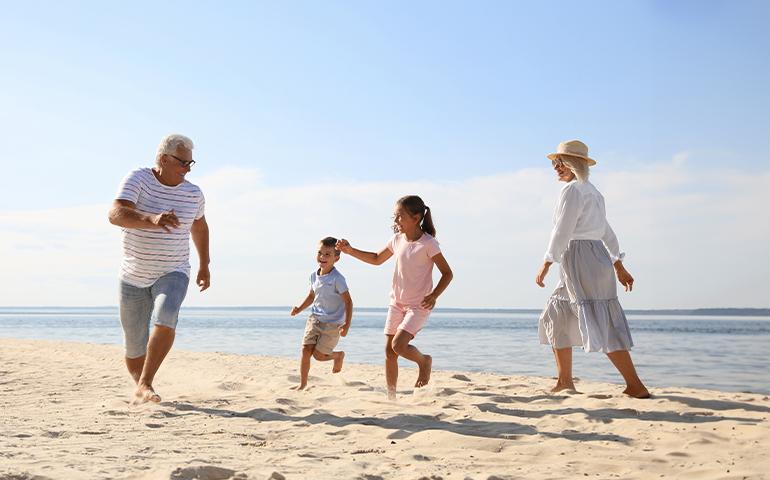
(66, 414)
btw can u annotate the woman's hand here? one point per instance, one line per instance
(344, 246)
(624, 277)
(429, 301)
(539, 279)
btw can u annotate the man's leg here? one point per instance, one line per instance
(168, 292)
(135, 312)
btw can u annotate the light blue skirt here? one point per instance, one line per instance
(584, 310)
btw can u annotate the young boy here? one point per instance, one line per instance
(330, 314)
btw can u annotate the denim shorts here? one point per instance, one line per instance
(160, 303)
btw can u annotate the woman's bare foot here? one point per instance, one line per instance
(144, 394)
(423, 377)
(637, 392)
(338, 359)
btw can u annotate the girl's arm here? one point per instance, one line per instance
(446, 276)
(306, 303)
(368, 257)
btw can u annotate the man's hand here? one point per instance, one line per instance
(540, 278)
(165, 220)
(204, 278)
(344, 329)
(344, 246)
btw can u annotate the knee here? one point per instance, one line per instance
(390, 352)
(319, 356)
(308, 350)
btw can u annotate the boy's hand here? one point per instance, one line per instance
(295, 311)
(429, 301)
(344, 246)
(344, 329)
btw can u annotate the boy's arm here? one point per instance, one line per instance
(348, 313)
(306, 303)
(368, 257)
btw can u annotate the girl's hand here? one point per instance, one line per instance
(344, 246)
(624, 277)
(295, 311)
(429, 301)
(539, 279)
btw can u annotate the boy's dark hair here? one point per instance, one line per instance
(415, 206)
(330, 242)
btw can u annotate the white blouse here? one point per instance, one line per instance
(580, 215)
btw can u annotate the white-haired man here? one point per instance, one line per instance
(158, 210)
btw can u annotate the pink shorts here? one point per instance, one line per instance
(402, 317)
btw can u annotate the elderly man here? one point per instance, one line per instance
(157, 210)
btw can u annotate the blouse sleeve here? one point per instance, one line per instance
(611, 242)
(565, 219)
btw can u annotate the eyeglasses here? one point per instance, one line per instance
(185, 163)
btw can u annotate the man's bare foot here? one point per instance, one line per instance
(144, 394)
(423, 377)
(637, 392)
(561, 386)
(338, 359)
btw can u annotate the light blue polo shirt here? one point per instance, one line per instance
(328, 306)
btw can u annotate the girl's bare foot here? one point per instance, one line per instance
(338, 359)
(561, 386)
(637, 392)
(423, 377)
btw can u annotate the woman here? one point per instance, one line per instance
(584, 309)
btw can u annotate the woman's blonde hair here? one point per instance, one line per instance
(577, 165)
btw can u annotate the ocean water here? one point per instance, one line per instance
(714, 352)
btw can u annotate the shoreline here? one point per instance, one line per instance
(67, 415)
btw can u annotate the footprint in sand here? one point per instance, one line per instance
(230, 386)
(153, 425)
(206, 472)
(461, 377)
(285, 401)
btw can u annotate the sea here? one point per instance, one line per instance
(718, 352)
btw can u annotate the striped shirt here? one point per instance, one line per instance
(148, 254)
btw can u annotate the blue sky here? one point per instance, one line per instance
(301, 95)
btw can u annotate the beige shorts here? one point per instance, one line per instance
(323, 335)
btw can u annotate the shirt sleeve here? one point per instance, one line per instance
(565, 219)
(611, 242)
(340, 284)
(130, 187)
(201, 207)
(432, 248)
(391, 245)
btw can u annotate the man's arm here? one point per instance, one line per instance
(124, 214)
(200, 237)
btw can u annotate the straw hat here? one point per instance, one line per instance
(573, 148)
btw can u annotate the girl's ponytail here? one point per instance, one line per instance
(415, 206)
(427, 223)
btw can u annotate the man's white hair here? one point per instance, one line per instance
(577, 165)
(170, 143)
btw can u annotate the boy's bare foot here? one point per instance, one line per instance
(145, 394)
(423, 377)
(338, 359)
(301, 386)
(391, 393)
(638, 392)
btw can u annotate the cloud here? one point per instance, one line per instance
(694, 238)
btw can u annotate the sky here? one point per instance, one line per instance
(311, 118)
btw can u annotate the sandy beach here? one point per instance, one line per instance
(66, 414)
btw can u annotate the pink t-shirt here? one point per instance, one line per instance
(413, 276)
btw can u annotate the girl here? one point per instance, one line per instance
(412, 295)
